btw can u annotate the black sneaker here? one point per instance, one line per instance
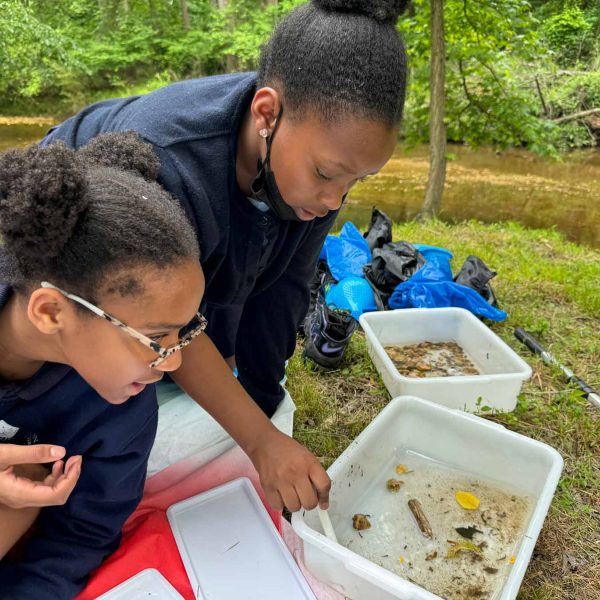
(328, 332)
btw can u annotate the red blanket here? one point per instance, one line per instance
(147, 539)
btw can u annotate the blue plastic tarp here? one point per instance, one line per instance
(432, 287)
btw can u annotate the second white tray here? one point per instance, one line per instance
(231, 549)
(147, 584)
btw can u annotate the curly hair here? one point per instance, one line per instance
(339, 58)
(74, 217)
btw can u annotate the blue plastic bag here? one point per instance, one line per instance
(353, 294)
(426, 250)
(432, 287)
(348, 253)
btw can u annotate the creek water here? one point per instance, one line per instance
(480, 184)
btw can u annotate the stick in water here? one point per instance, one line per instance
(417, 511)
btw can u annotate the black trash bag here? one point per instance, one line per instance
(392, 264)
(477, 275)
(380, 229)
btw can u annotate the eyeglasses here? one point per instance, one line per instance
(186, 334)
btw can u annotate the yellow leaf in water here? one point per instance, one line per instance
(401, 559)
(462, 546)
(400, 469)
(512, 559)
(467, 500)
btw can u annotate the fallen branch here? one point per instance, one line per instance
(417, 511)
(578, 115)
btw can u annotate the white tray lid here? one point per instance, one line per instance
(231, 549)
(148, 583)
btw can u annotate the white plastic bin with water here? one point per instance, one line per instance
(502, 370)
(454, 438)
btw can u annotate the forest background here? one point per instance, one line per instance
(518, 72)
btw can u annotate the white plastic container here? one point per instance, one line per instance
(502, 370)
(457, 439)
(231, 549)
(148, 583)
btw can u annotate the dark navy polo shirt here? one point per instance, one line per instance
(56, 406)
(257, 267)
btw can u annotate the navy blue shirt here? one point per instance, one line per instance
(56, 406)
(257, 267)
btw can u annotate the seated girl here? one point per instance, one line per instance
(100, 284)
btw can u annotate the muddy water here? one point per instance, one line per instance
(395, 542)
(480, 184)
(22, 132)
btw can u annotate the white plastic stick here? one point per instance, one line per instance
(327, 526)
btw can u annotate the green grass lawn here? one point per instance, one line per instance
(549, 287)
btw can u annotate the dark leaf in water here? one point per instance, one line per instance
(467, 532)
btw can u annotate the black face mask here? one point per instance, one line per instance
(264, 188)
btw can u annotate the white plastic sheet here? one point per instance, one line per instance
(185, 429)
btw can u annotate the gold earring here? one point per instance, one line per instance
(264, 132)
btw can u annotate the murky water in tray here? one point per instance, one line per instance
(432, 359)
(395, 542)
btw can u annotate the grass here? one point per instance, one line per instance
(550, 287)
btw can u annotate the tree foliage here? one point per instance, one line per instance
(512, 66)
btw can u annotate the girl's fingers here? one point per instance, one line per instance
(55, 489)
(290, 499)
(274, 499)
(57, 470)
(14, 454)
(73, 467)
(322, 485)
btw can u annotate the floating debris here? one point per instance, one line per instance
(431, 359)
(394, 485)
(417, 511)
(393, 534)
(431, 555)
(401, 469)
(467, 500)
(467, 532)
(360, 522)
(458, 547)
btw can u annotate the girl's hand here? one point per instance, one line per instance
(54, 489)
(289, 474)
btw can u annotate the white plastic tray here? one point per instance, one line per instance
(146, 584)
(460, 440)
(231, 549)
(502, 370)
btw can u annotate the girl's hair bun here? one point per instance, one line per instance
(42, 194)
(384, 11)
(125, 151)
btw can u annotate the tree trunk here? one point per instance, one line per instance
(437, 128)
(185, 15)
(231, 61)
